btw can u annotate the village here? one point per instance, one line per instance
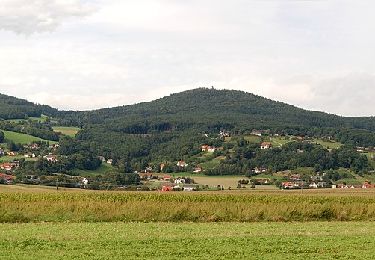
(181, 178)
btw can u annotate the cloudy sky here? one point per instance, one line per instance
(85, 54)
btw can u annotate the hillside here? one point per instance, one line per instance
(220, 108)
(174, 128)
(14, 108)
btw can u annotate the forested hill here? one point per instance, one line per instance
(14, 108)
(214, 109)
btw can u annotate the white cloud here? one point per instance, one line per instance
(314, 54)
(31, 16)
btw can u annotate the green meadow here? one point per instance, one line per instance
(314, 240)
(69, 131)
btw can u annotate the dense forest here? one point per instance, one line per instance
(14, 108)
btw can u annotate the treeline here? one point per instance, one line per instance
(14, 108)
(289, 157)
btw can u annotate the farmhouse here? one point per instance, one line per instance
(259, 170)
(292, 185)
(197, 169)
(7, 178)
(182, 164)
(207, 148)
(50, 158)
(265, 145)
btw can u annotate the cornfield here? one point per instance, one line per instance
(180, 207)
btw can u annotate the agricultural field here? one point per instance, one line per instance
(51, 205)
(328, 144)
(253, 139)
(69, 131)
(21, 138)
(314, 240)
(278, 141)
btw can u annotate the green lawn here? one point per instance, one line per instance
(69, 131)
(326, 144)
(314, 240)
(253, 139)
(278, 141)
(12, 158)
(212, 163)
(21, 138)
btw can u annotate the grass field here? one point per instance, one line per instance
(18, 157)
(326, 144)
(102, 170)
(69, 131)
(253, 139)
(314, 240)
(43, 223)
(21, 138)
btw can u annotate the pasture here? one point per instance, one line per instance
(69, 131)
(21, 138)
(313, 240)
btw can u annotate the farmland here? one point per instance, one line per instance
(314, 240)
(69, 131)
(20, 138)
(90, 206)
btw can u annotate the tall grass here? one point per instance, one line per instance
(178, 207)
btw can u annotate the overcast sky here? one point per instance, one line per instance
(85, 54)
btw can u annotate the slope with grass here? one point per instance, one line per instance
(65, 130)
(23, 138)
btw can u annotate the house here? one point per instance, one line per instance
(2, 152)
(179, 181)
(190, 187)
(313, 185)
(259, 170)
(167, 188)
(182, 164)
(207, 148)
(9, 179)
(166, 177)
(110, 161)
(292, 185)
(11, 153)
(265, 145)
(224, 134)
(197, 169)
(256, 132)
(367, 185)
(50, 158)
(204, 148)
(162, 166)
(85, 183)
(7, 166)
(31, 155)
(360, 149)
(34, 146)
(148, 169)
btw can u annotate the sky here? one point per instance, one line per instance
(89, 54)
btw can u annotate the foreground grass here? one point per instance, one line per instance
(90, 206)
(313, 240)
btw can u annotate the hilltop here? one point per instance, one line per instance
(15, 108)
